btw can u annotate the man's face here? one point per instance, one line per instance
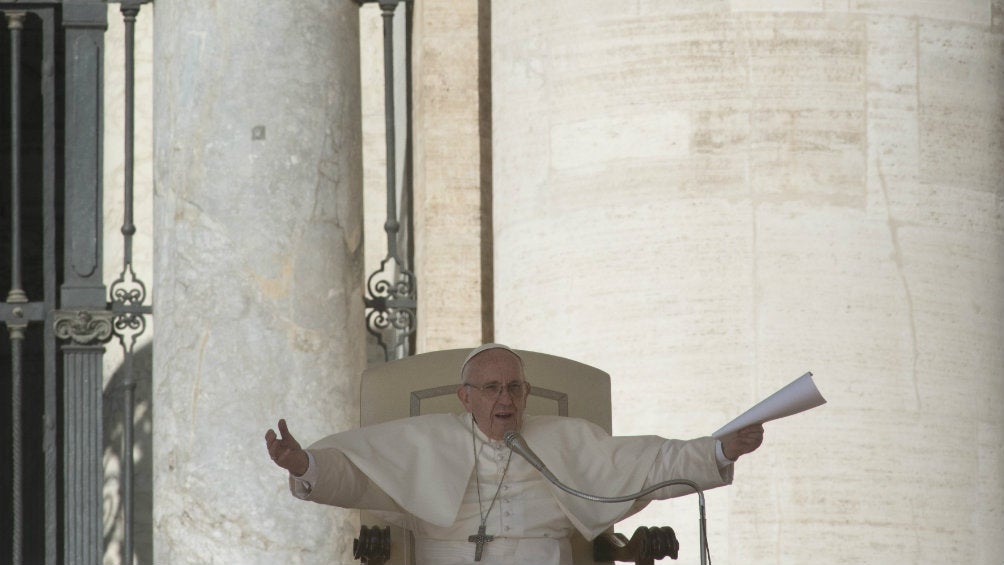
(501, 410)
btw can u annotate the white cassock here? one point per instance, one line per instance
(418, 473)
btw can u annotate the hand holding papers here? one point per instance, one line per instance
(798, 396)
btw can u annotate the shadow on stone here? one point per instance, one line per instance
(113, 495)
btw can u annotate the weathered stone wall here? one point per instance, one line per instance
(709, 198)
(258, 270)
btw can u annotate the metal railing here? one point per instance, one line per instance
(29, 196)
(57, 312)
(127, 294)
(392, 290)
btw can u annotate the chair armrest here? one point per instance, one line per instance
(645, 546)
(372, 547)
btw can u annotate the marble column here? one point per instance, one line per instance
(258, 271)
(708, 198)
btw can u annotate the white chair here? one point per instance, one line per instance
(427, 384)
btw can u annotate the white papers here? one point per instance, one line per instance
(798, 396)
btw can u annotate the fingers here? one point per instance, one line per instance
(284, 450)
(751, 437)
(752, 433)
(743, 441)
(274, 444)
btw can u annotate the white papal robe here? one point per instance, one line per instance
(418, 473)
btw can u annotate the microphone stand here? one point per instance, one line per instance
(516, 443)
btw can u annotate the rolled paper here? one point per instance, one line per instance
(799, 395)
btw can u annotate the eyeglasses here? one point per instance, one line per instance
(515, 389)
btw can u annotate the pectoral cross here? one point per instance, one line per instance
(480, 539)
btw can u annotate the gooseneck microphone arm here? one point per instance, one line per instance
(516, 443)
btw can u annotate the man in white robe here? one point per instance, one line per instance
(449, 478)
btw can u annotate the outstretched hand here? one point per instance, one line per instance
(742, 442)
(286, 451)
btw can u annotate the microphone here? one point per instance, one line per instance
(515, 442)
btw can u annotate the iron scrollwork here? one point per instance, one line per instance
(390, 304)
(83, 327)
(128, 294)
(391, 290)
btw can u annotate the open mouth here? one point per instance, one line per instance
(505, 416)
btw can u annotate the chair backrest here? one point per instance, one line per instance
(427, 384)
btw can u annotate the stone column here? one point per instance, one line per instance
(447, 172)
(258, 271)
(708, 198)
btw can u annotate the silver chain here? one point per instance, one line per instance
(477, 478)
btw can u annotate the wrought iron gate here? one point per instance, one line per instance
(58, 314)
(57, 311)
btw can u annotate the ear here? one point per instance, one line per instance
(464, 395)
